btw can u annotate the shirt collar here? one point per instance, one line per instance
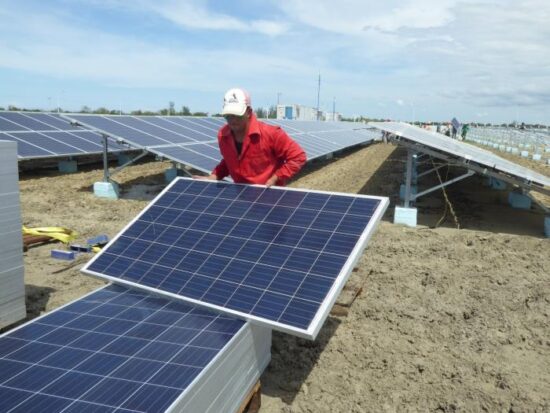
(253, 127)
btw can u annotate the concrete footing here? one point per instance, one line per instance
(406, 216)
(123, 159)
(67, 167)
(498, 184)
(519, 201)
(109, 190)
(171, 173)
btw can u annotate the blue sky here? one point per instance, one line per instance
(485, 61)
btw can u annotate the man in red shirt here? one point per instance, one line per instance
(254, 152)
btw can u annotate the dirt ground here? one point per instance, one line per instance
(449, 320)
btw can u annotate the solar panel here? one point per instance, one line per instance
(201, 156)
(462, 150)
(277, 256)
(169, 136)
(149, 131)
(323, 138)
(44, 135)
(114, 350)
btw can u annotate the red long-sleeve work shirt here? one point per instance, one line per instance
(266, 151)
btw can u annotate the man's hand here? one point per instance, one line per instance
(272, 181)
(211, 177)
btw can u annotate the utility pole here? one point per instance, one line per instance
(334, 108)
(318, 94)
(278, 96)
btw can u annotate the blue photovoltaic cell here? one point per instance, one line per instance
(271, 254)
(203, 157)
(150, 131)
(113, 350)
(40, 135)
(168, 136)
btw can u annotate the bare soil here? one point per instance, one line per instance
(454, 315)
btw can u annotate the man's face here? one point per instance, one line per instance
(237, 124)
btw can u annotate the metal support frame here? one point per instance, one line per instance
(178, 166)
(408, 178)
(105, 159)
(443, 184)
(106, 173)
(471, 165)
(430, 171)
(130, 162)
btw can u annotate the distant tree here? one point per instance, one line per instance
(136, 112)
(164, 112)
(171, 110)
(85, 109)
(1, 108)
(217, 115)
(185, 111)
(261, 113)
(101, 111)
(12, 107)
(272, 113)
(200, 114)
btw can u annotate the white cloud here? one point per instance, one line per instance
(57, 48)
(195, 14)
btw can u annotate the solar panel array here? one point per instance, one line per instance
(464, 151)
(189, 140)
(114, 350)
(46, 135)
(193, 140)
(323, 138)
(273, 255)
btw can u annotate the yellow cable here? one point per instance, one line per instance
(65, 235)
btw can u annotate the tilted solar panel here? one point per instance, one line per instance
(276, 256)
(113, 350)
(461, 149)
(47, 135)
(201, 156)
(150, 131)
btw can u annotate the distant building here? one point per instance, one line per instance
(333, 116)
(296, 112)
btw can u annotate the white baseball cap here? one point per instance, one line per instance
(235, 102)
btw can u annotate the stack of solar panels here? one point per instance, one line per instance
(12, 287)
(122, 350)
(277, 257)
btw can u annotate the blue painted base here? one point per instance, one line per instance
(406, 216)
(109, 190)
(67, 167)
(519, 201)
(414, 191)
(547, 227)
(498, 184)
(171, 173)
(123, 159)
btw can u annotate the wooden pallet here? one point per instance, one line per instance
(346, 298)
(253, 401)
(31, 240)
